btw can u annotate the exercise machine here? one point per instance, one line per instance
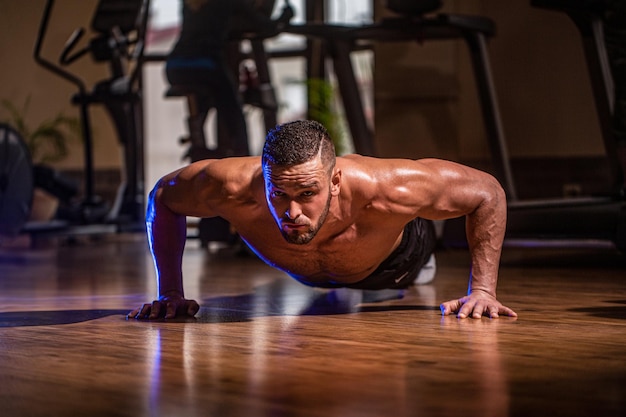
(415, 21)
(585, 221)
(594, 221)
(119, 29)
(256, 90)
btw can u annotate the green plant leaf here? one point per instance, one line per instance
(321, 96)
(48, 141)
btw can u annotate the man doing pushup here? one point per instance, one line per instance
(351, 221)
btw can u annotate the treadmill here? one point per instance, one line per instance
(586, 221)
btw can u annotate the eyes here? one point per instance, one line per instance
(307, 194)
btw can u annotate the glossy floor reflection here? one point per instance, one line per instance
(265, 345)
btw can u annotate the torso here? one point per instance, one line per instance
(346, 258)
(348, 247)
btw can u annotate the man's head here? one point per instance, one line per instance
(297, 142)
(298, 168)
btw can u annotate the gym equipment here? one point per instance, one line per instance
(119, 27)
(16, 182)
(414, 24)
(412, 7)
(259, 92)
(591, 221)
(262, 95)
(583, 221)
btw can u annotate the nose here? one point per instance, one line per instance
(293, 210)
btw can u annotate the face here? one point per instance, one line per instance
(299, 198)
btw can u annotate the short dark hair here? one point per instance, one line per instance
(297, 142)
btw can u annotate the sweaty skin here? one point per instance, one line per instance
(327, 229)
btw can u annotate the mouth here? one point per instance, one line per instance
(293, 226)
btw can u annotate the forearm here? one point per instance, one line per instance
(483, 202)
(167, 232)
(485, 230)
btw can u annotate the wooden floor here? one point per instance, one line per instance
(263, 345)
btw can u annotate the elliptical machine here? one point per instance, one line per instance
(120, 27)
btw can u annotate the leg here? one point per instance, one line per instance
(198, 105)
(233, 133)
(268, 96)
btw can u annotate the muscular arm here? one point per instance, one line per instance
(440, 190)
(173, 198)
(485, 228)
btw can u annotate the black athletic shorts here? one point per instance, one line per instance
(400, 268)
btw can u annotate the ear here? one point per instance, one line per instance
(335, 183)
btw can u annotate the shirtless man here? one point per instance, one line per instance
(329, 221)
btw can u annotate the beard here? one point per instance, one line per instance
(303, 238)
